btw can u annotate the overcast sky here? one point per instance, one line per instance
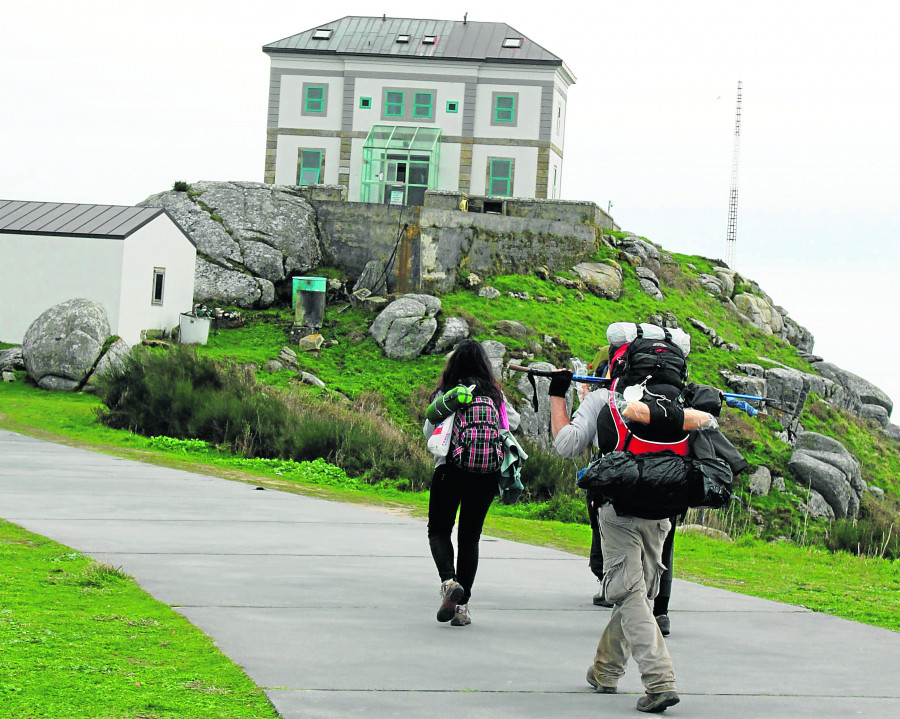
(109, 102)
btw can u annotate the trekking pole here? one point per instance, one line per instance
(550, 373)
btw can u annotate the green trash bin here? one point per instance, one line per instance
(309, 301)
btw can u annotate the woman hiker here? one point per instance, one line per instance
(466, 478)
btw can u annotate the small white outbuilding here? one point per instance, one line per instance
(136, 261)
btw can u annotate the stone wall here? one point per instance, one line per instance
(441, 237)
(487, 243)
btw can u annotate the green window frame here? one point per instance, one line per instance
(310, 167)
(422, 102)
(365, 103)
(500, 178)
(315, 98)
(452, 106)
(505, 108)
(393, 103)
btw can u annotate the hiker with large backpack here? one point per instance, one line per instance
(463, 424)
(648, 375)
(600, 367)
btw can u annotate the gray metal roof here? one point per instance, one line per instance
(54, 218)
(456, 40)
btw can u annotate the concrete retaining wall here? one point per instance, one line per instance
(517, 235)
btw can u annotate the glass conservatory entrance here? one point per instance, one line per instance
(400, 159)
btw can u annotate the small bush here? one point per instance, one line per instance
(183, 395)
(181, 186)
(546, 475)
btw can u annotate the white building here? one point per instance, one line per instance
(135, 261)
(389, 105)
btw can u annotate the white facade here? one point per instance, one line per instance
(38, 271)
(323, 106)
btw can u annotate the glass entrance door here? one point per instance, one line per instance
(400, 159)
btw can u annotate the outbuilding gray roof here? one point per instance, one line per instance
(455, 40)
(55, 218)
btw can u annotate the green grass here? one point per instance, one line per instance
(81, 639)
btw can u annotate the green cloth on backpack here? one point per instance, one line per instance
(510, 483)
(448, 403)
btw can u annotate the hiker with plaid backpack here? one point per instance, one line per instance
(463, 423)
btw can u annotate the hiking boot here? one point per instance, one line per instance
(598, 687)
(451, 592)
(658, 702)
(601, 601)
(461, 617)
(665, 626)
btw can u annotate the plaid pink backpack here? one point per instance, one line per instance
(476, 445)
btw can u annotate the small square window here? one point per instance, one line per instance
(512, 42)
(159, 284)
(402, 38)
(322, 34)
(365, 103)
(452, 106)
(429, 40)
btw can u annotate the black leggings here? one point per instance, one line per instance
(453, 489)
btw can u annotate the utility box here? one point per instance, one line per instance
(193, 330)
(309, 306)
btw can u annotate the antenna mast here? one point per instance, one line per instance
(731, 235)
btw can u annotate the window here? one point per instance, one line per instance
(422, 104)
(512, 42)
(159, 284)
(322, 34)
(393, 104)
(429, 40)
(553, 196)
(505, 108)
(452, 106)
(402, 38)
(315, 98)
(500, 178)
(558, 117)
(310, 167)
(365, 103)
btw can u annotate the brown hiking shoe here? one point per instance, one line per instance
(598, 687)
(451, 592)
(657, 702)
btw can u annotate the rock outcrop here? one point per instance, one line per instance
(406, 325)
(251, 238)
(536, 425)
(68, 344)
(601, 279)
(455, 330)
(11, 360)
(823, 464)
(873, 403)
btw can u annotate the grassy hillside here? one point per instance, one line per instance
(561, 324)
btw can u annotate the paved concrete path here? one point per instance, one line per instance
(330, 607)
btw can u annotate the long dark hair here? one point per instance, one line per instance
(467, 365)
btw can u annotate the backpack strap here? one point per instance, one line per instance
(639, 330)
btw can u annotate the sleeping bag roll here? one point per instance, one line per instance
(620, 333)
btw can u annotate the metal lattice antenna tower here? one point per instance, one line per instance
(731, 235)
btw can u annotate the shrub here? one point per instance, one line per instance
(181, 186)
(181, 394)
(546, 475)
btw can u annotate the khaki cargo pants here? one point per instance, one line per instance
(632, 566)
